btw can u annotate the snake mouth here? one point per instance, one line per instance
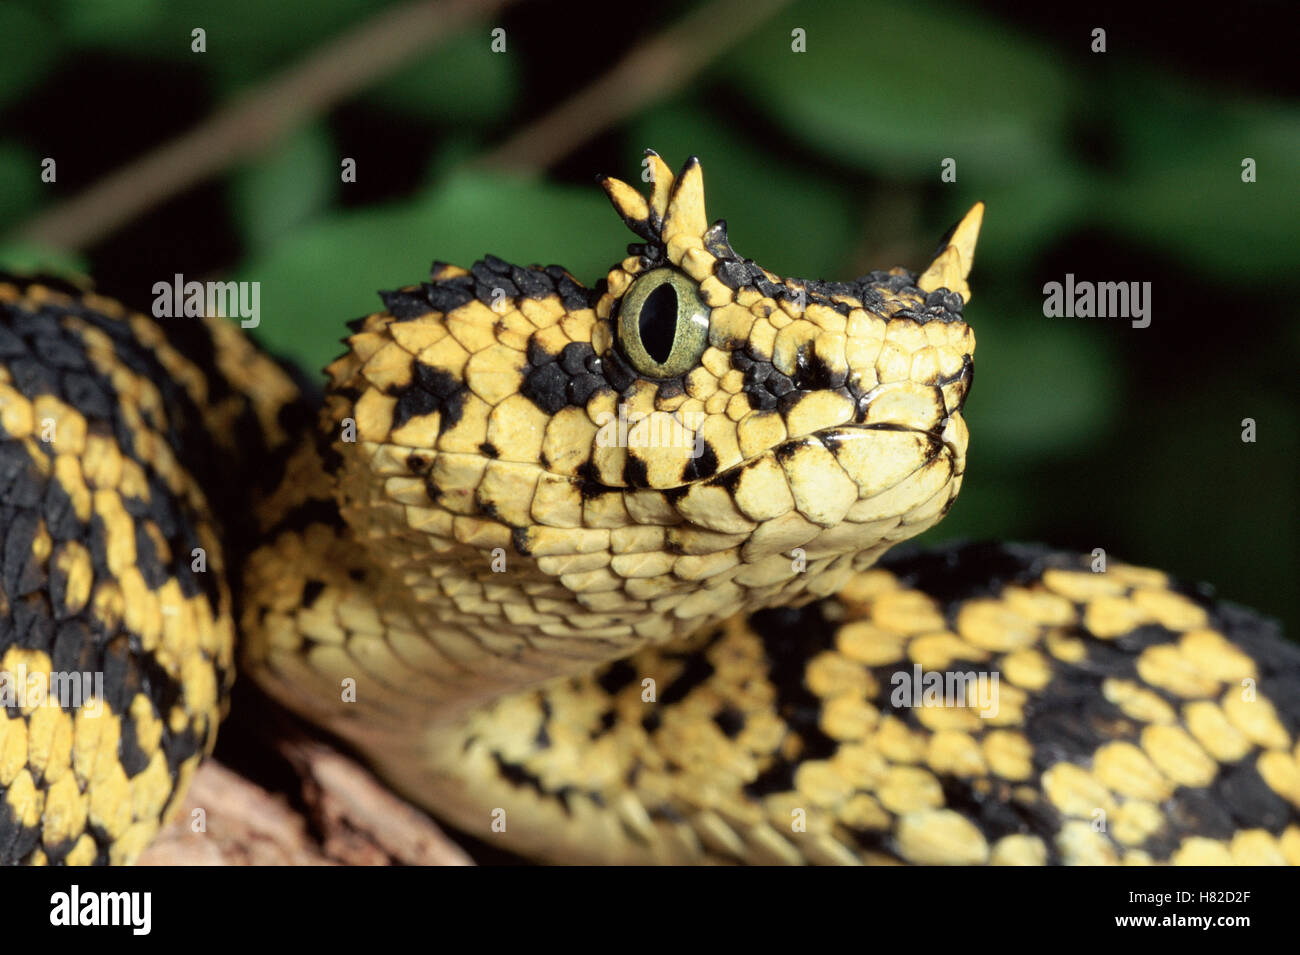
(860, 447)
(852, 463)
(932, 407)
(936, 433)
(943, 436)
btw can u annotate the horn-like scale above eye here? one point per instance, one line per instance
(663, 326)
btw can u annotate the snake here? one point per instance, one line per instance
(599, 575)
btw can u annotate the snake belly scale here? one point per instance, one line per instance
(597, 572)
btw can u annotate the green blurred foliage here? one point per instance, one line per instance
(465, 83)
(329, 270)
(20, 194)
(249, 37)
(1179, 186)
(825, 163)
(29, 49)
(287, 188)
(940, 81)
(800, 225)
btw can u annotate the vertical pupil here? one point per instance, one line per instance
(658, 322)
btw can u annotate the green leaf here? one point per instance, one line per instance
(287, 186)
(20, 171)
(29, 47)
(315, 280)
(29, 257)
(1025, 216)
(245, 39)
(462, 82)
(93, 22)
(1044, 387)
(1179, 185)
(899, 89)
(777, 215)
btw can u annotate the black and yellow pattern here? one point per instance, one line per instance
(1132, 722)
(592, 570)
(114, 433)
(495, 528)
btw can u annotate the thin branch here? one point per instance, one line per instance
(360, 817)
(354, 819)
(652, 70)
(250, 123)
(656, 68)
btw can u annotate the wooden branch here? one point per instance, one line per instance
(351, 819)
(661, 65)
(256, 120)
(243, 825)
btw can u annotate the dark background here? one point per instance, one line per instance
(1120, 166)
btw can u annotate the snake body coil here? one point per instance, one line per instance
(594, 571)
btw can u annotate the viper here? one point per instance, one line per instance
(597, 573)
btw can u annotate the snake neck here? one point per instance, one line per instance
(387, 603)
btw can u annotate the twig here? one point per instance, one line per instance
(653, 69)
(250, 123)
(243, 824)
(661, 65)
(357, 821)
(361, 819)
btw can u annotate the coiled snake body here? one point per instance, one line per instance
(594, 572)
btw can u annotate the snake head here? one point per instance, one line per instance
(684, 434)
(824, 413)
(762, 363)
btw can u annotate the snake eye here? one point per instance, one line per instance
(663, 325)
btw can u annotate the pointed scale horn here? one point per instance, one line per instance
(953, 263)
